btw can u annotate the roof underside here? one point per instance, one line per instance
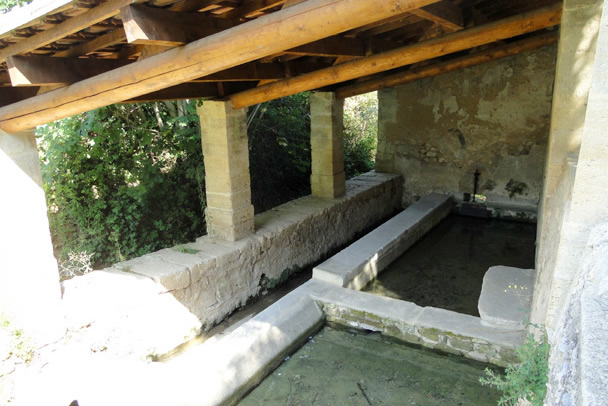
(86, 42)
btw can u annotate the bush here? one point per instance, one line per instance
(526, 380)
(279, 150)
(360, 133)
(123, 180)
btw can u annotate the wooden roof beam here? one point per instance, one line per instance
(68, 27)
(152, 26)
(288, 28)
(44, 71)
(407, 55)
(443, 13)
(435, 69)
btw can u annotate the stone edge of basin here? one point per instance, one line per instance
(237, 362)
(360, 262)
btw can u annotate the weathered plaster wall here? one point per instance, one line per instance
(29, 281)
(163, 299)
(494, 117)
(563, 225)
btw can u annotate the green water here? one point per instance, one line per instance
(343, 368)
(445, 268)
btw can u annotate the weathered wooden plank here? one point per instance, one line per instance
(152, 26)
(251, 9)
(112, 38)
(75, 24)
(284, 29)
(461, 40)
(443, 13)
(448, 66)
(44, 71)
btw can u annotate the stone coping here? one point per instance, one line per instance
(360, 262)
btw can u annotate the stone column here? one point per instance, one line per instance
(226, 155)
(562, 233)
(326, 139)
(29, 282)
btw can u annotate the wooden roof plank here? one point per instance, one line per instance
(407, 55)
(112, 38)
(252, 8)
(443, 13)
(75, 24)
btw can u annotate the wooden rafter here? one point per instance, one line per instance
(150, 26)
(448, 66)
(297, 25)
(43, 71)
(443, 13)
(461, 40)
(75, 24)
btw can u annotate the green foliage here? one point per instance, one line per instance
(279, 150)
(526, 380)
(123, 180)
(360, 133)
(8, 5)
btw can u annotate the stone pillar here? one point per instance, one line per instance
(29, 282)
(575, 191)
(326, 140)
(226, 155)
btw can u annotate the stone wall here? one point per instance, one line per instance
(578, 371)
(494, 117)
(149, 305)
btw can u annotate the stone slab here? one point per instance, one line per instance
(506, 297)
(359, 263)
(170, 276)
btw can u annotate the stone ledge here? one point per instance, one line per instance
(361, 262)
(427, 326)
(506, 297)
